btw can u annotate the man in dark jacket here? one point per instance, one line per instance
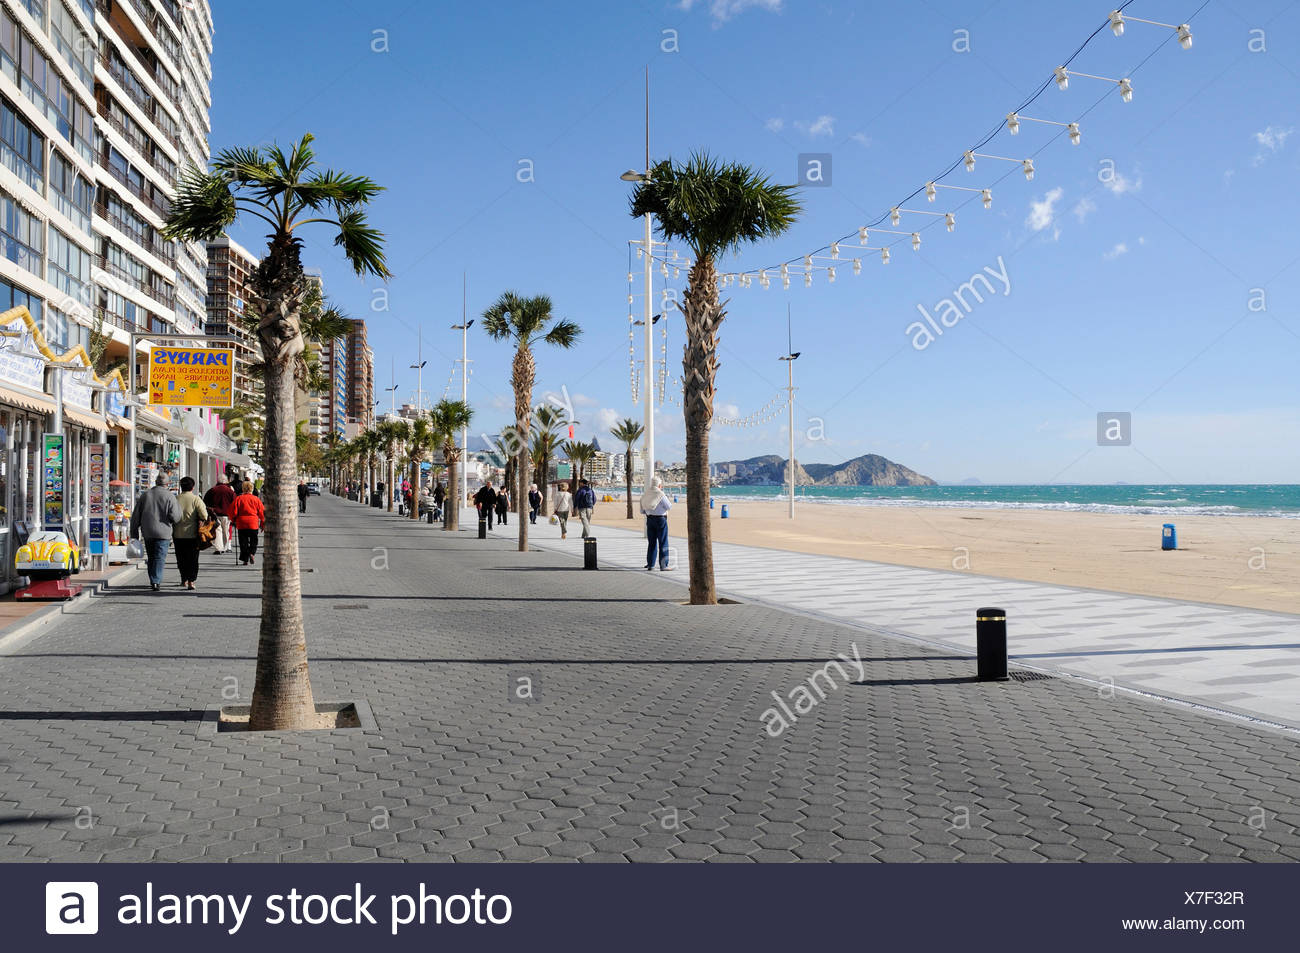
(486, 501)
(584, 501)
(534, 502)
(302, 496)
(151, 521)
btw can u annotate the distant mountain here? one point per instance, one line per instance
(971, 481)
(772, 470)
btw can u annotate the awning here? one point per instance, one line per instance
(232, 457)
(85, 418)
(27, 400)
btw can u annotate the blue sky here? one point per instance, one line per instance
(1132, 259)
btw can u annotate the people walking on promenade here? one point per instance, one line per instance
(218, 500)
(439, 496)
(655, 505)
(563, 507)
(155, 513)
(185, 532)
(302, 496)
(503, 505)
(486, 500)
(248, 514)
(584, 502)
(534, 502)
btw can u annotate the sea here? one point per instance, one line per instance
(1280, 500)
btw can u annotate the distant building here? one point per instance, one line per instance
(360, 378)
(230, 271)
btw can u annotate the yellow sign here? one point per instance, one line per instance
(191, 377)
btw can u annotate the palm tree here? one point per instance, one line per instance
(628, 432)
(448, 418)
(423, 440)
(507, 445)
(580, 454)
(286, 191)
(390, 435)
(526, 321)
(550, 420)
(714, 208)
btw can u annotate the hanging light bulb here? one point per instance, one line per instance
(1013, 123)
(1074, 133)
(1062, 78)
(893, 212)
(857, 266)
(785, 282)
(677, 272)
(762, 275)
(970, 161)
(950, 220)
(1185, 36)
(629, 277)
(629, 299)
(1116, 23)
(916, 241)
(785, 271)
(930, 192)
(640, 252)
(835, 249)
(884, 256)
(663, 269)
(1126, 90)
(987, 196)
(807, 280)
(830, 273)
(807, 262)
(862, 235)
(1029, 169)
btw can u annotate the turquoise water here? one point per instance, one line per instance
(1137, 499)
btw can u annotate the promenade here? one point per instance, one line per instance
(1241, 661)
(646, 738)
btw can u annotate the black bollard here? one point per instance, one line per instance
(589, 553)
(482, 527)
(991, 644)
(430, 517)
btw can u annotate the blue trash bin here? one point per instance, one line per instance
(724, 511)
(710, 502)
(1169, 539)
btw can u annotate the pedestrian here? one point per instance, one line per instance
(155, 513)
(218, 500)
(534, 502)
(584, 501)
(185, 532)
(503, 505)
(302, 496)
(486, 500)
(439, 495)
(248, 514)
(655, 505)
(563, 506)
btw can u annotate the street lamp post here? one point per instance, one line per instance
(790, 357)
(419, 372)
(463, 328)
(647, 254)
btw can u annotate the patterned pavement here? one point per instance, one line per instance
(649, 736)
(1237, 660)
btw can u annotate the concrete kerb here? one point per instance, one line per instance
(21, 631)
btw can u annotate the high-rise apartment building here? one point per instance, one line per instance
(334, 401)
(230, 271)
(361, 377)
(103, 103)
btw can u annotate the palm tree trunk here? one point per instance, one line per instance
(450, 500)
(703, 314)
(627, 472)
(415, 488)
(391, 476)
(522, 377)
(282, 696)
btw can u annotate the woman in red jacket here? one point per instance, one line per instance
(247, 515)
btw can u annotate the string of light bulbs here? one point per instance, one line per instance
(828, 258)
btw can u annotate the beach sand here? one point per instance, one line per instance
(1238, 561)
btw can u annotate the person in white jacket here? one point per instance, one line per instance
(563, 507)
(655, 505)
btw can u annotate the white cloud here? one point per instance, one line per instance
(724, 10)
(727, 410)
(861, 138)
(1270, 140)
(582, 400)
(821, 126)
(1083, 208)
(1120, 248)
(1118, 183)
(606, 419)
(1042, 214)
(775, 124)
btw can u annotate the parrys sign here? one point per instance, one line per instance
(191, 377)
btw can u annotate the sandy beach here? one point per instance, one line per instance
(1239, 561)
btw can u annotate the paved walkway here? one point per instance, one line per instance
(1237, 660)
(646, 741)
